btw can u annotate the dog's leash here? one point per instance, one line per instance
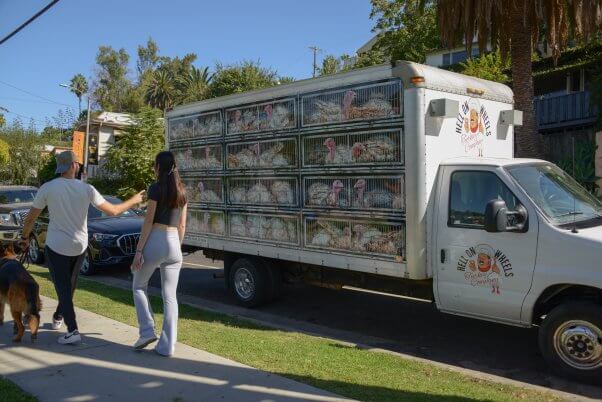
(24, 258)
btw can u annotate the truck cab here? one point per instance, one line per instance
(519, 241)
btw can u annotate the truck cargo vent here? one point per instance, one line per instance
(267, 154)
(367, 102)
(207, 157)
(204, 190)
(206, 222)
(281, 191)
(264, 227)
(267, 116)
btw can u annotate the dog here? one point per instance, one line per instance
(20, 291)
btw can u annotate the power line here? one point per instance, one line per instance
(34, 95)
(29, 21)
(26, 100)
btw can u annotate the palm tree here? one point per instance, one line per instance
(161, 91)
(79, 86)
(195, 85)
(513, 27)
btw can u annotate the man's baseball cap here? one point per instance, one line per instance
(64, 161)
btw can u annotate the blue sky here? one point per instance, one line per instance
(64, 41)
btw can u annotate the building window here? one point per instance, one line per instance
(458, 57)
(446, 59)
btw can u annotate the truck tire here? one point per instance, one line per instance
(570, 339)
(250, 282)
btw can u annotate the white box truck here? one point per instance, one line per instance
(398, 178)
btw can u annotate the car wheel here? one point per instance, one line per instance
(570, 339)
(87, 268)
(34, 253)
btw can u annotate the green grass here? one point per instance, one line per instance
(348, 371)
(9, 392)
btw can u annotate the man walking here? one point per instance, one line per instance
(68, 199)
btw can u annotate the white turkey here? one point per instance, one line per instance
(380, 198)
(348, 110)
(336, 154)
(378, 149)
(291, 228)
(217, 225)
(327, 235)
(362, 235)
(206, 195)
(278, 230)
(259, 194)
(204, 223)
(277, 117)
(377, 106)
(249, 121)
(282, 192)
(325, 112)
(238, 226)
(246, 158)
(343, 242)
(387, 243)
(256, 227)
(192, 192)
(266, 159)
(321, 194)
(214, 126)
(238, 195)
(209, 161)
(235, 124)
(184, 159)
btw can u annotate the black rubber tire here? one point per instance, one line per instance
(585, 311)
(91, 268)
(261, 279)
(33, 242)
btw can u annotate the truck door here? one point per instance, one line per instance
(481, 273)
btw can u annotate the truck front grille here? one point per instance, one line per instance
(128, 242)
(20, 216)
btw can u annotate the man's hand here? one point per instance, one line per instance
(138, 198)
(23, 243)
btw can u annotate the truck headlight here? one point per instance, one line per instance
(104, 237)
(6, 218)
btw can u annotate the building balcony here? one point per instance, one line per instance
(564, 111)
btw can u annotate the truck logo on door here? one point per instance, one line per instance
(473, 125)
(486, 267)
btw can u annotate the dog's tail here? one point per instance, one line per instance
(34, 304)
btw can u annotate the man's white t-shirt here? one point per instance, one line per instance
(67, 201)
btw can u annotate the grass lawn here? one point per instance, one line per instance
(9, 392)
(344, 370)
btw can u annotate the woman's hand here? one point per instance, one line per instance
(138, 261)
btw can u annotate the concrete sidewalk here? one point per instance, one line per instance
(105, 367)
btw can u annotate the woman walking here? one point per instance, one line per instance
(160, 247)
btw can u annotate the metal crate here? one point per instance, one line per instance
(267, 154)
(367, 102)
(207, 157)
(377, 237)
(383, 147)
(208, 124)
(268, 116)
(181, 128)
(204, 190)
(283, 229)
(365, 193)
(206, 222)
(271, 191)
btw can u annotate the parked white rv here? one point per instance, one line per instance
(402, 179)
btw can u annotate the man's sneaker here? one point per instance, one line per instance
(57, 324)
(141, 343)
(70, 338)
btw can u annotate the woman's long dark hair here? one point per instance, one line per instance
(171, 189)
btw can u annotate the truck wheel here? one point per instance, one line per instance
(88, 268)
(250, 282)
(570, 340)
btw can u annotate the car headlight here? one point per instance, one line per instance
(6, 218)
(104, 237)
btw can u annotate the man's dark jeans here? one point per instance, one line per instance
(64, 271)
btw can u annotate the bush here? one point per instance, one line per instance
(106, 185)
(46, 173)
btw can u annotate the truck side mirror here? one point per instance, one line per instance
(496, 216)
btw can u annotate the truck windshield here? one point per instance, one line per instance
(556, 193)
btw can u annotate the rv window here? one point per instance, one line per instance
(470, 191)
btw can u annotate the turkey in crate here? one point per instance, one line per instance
(206, 222)
(327, 192)
(208, 157)
(269, 116)
(273, 228)
(203, 190)
(208, 124)
(181, 129)
(384, 193)
(369, 102)
(271, 154)
(355, 236)
(263, 191)
(365, 148)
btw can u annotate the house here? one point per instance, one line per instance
(105, 130)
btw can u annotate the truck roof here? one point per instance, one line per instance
(498, 162)
(433, 78)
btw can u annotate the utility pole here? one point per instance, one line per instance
(315, 50)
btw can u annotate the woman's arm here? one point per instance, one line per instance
(147, 226)
(182, 223)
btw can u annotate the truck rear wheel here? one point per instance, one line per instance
(570, 340)
(250, 282)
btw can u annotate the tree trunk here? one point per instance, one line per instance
(528, 141)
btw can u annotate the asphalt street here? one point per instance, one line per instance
(402, 325)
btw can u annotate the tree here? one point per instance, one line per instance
(194, 86)
(47, 171)
(112, 85)
(241, 77)
(79, 86)
(407, 29)
(2, 120)
(489, 66)
(131, 159)
(24, 153)
(161, 92)
(148, 57)
(4, 154)
(514, 27)
(330, 65)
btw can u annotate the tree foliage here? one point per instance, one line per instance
(24, 153)
(2, 120)
(111, 83)
(489, 66)
(330, 65)
(130, 161)
(241, 77)
(47, 171)
(79, 86)
(4, 153)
